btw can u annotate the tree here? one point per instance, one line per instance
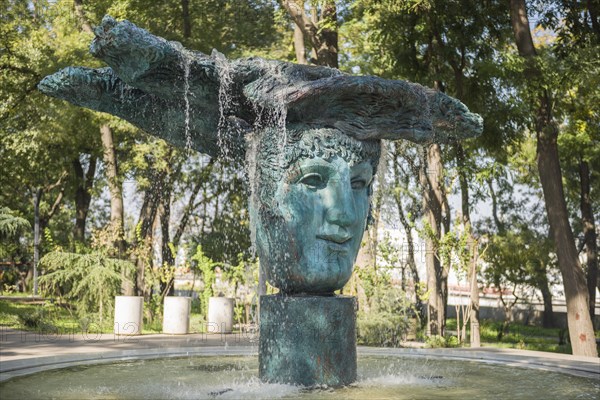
(409, 210)
(581, 330)
(11, 225)
(318, 27)
(42, 143)
(83, 195)
(436, 43)
(89, 281)
(576, 46)
(471, 242)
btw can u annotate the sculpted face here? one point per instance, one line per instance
(309, 236)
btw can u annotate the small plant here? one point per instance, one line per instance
(37, 320)
(9, 319)
(452, 341)
(381, 329)
(389, 318)
(207, 268)
(563, 335)
(435, 341)
(31, 320)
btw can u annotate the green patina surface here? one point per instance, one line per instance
(289, 115)
(316, 346)
(311, 140)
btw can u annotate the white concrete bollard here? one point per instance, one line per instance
(128, 315)
(220, 315)
(176, 315)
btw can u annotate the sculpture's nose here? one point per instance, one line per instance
(339, 202)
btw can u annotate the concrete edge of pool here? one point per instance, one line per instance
(567, 364)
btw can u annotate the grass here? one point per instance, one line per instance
(36, 316)
(16, 294)
(51, 317)
(519, 336)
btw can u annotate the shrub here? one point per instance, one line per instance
(88, 281)
(452, 341)
(37, 320)
(388, 319)
(382, 329)
(435, 341)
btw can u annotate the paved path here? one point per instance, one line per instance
(16, 345)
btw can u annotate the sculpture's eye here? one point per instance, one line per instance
(313, 181)
(358, 184)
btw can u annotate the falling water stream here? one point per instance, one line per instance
(225, 100)
(186, 63)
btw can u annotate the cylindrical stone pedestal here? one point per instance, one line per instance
(220, 315)
(128, 315)
(176, 315)
(307, 340)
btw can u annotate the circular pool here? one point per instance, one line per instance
(383, 374)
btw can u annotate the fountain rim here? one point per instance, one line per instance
(553, 362)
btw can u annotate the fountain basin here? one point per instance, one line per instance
(217, 372)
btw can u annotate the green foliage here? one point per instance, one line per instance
(13, 229)
(388, 319)
(525, 337)
(518, 257)
(381, 329)
(454, 251)
(226, 26)
(34, 320)
(11, 225)
(88, 281)
(435, 341)
(206, 266)
(47, 317)
(452, 341)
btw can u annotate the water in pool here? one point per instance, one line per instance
(236, 377)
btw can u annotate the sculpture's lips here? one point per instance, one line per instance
(336, 243)
(338, 248)
(340, 239)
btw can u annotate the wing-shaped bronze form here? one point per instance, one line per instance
(185, 96)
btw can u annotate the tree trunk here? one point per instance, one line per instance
(83, 197)
(299, 46)
(590, 236)
(471, 244)
(474, 314)
(144, 233)
(36, 237)
(85, 25)
(168, 258)
(408, 230)
(542, 284)
(189, 208)
(499, 223)
(327, 53)
(322, 34)
(432, 204)
(187, 23)
(581, 330)
(116, 200)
